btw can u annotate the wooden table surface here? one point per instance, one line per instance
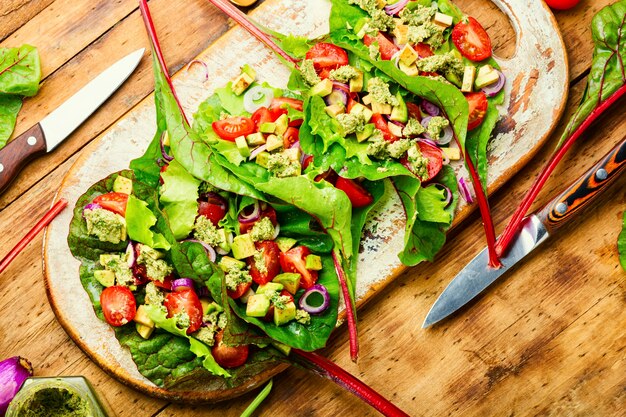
(547, 340)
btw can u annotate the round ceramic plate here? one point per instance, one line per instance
(536, 90)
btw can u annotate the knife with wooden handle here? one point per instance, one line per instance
(536, 228)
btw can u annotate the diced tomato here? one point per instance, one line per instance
(270, 259)
(327, 56)
(294, 261)
(239, 291)
(435, 159)
(307, 161)
(185, 301)
(233, 127)
(381, 124)
(471, 39)
(115, 202)
(291, 136)
(414, 111)
(228, 356)
(278, 106)
(260, 116)
(162, 170)
(386, 47)
(351, 104)
(268, 212)
(213, 207)
(166, 284)
(359, 196)
(423, 50)
(477, 109)
(324, 73)
(118, 305)
(286, 293)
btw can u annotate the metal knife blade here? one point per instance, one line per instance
(74, 111)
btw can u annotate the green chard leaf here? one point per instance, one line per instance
(139, 221)
(179, 196)
(10, 106)
(621, 244)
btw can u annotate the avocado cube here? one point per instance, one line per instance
(400, 113)
(242, 146)
(247, 69)
(368, 130)
(206, 305)
(285, 243)
(293, 153)
(269, 287)
(246, 295)
(258, 305)
(144, 331)
(104, 277)
(410, 70)
(289, 280)
(263, 158)
(356, 83)
(227, 263)
(243, 246)
(362, 31)
(224, 239)
(267, 127)
(313, 263)
(142, 317)
(241, 84)
(487, 75)
(408, 55)
(443, 20)
(166, 138)
(322, 89)
(334, 110)
(367, 99)
(255, 139)
(395, 129)
(453, 78)
(282, 123)
(283, 348)
(401, 33)
(284, 315)
(105, 258)
(273, 142)
(468, 78)
(123, 185)
(454, 154)
(381, 108)
(358, 108)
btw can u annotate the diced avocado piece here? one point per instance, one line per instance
(262, 159)
(166, 138)
(401, 33)
(285, 243)
(269, 287)
(144, 331)
(395, 129)
(289, 280)
(468, 78)
(227, 263)
(142, 317)
(285, 315)
(381, 108)
(273, 142)
(356, 83)
(334, 110)
(104, 277)
(241, 84)
(487, 75)
(454, 154)
(242, 146)
(453, 78)
(361, 28)
(247, 69)
(224, 239)
(246, 295)
(105, 258)
(206, 305)
(255, 139)
(267, 127)
(313, 263)
(408, 55)
(367, 99)
(322, 89)
(282, 123)
(382, 3)
(358, 108)
(443, 20)
(293, 153)
(410, 70)
(243, 246)
(283, 348)
(400, 112)
(368, 130)
(123, 185)
(258, 305)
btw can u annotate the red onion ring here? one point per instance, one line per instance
(394, 9)
(341, 86)
(493, 89)
(209, 249)
(167, 157)
(14, 371)
(296, 144)
(91, 206)
(131, 257)
(181, 284)
(197, 61)
(446, 137)
(428, 141)
(429, 108)
(316, 289)
(256, 152)
(466, 190)
(251, 217)
(337, 96)
(446, 189)
(276, 231)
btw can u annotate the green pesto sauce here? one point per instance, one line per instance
(379, 90)
(443, 63)
(436, 125)
(156, 269)
(236, 276)
(105, 225)
(55, 402)
(119, 265)
(351, 122)
(343, 74)
(308, 72)
(154, 296)
(413, 128)
(259, 260)
(282, 166)
(205, 230)
(262, 230)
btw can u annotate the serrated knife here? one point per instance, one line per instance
(536, 228)
(58, 125)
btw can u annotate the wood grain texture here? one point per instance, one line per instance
(550, 335)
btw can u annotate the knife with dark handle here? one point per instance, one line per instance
(536, 228)
(58, 125)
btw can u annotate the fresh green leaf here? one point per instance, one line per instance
(621, 244)
(20, 71)
(179, 196)
(10, 106)
(139, 221)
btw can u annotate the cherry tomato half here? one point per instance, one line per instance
(233, 127)
(270, 259)
(267, 212)
(386, 47)
(118, 305)
(185, 301)
(414, 111)
(294, 261)
(260, 116)
(359, 196)
(423, 50)
(278, 107)
(381, 124)
(477, 109)
(239, 291)
(213, 207)
(472, 40)
(562, 4)
(291, 136)
(327, 56)
(435, 159)
(228, 356)
(115, 202)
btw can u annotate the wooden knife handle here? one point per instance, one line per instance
(18, 152)
(582, 192)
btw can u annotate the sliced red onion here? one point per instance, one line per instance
(429, 108)
(197, 61)
(296, 144)
(396, 59)
(394, 9)
(466, 190)
(341, 86)
(167, 157)
(256, 152)
(131, 259)
(316, 289)
(337, 96)
(247, 217)
(209, 249)
(276, 231)
(214, 198)
(493, 89)
(446, 189)
(13, 372)
(181, 284)
(428, 141)
(446, 136)
(425, 121)
(397, 123)
(257, 97)
(91, 206)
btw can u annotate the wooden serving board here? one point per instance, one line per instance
(536, 90)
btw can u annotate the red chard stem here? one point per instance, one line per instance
(350, 315)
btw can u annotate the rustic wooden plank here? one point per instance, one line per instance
(15, 13)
